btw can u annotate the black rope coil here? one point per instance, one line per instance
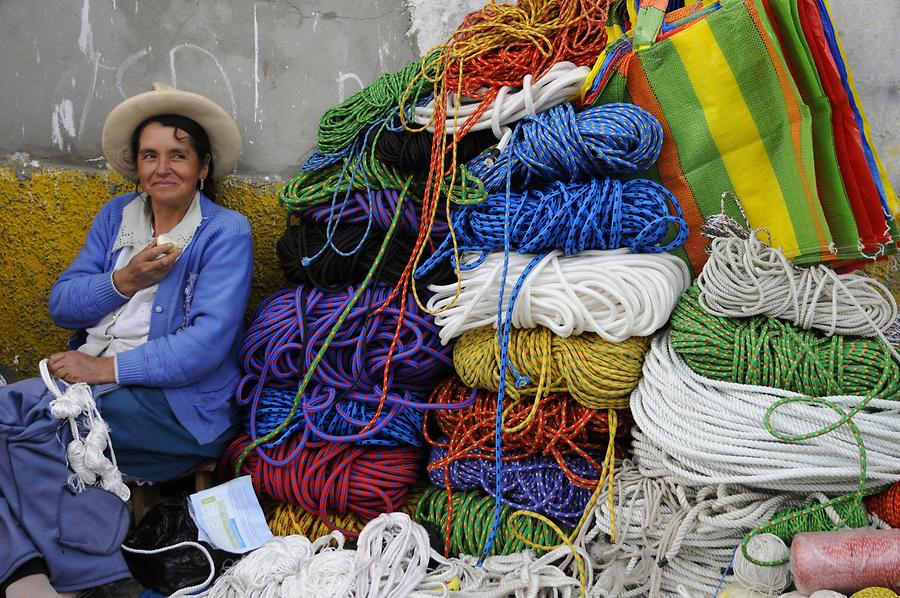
(410, 152)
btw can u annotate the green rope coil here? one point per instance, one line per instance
(342, 124)
(308, 189)
(787, 523)
(473, 515)
(771, 352)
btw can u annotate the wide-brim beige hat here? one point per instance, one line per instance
(223, 132)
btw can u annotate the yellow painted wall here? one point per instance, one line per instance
(44, 216)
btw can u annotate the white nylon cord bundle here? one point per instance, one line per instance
(617, 294)
(521, 575)
(701, 431)
(560, 84)
(391, 561)
(85, 455)
(747, 277)
(671, 540)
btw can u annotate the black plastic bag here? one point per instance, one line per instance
(168, 523)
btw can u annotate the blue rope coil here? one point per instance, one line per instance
(330, 416)
(562, 145)
(573, 217)
(536, 483)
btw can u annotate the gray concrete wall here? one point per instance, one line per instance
(278, 64)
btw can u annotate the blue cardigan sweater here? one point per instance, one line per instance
(197, 321)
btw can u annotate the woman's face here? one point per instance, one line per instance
(168, 166)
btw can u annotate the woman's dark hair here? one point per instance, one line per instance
(197, 137)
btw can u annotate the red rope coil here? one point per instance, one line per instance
(886, 505)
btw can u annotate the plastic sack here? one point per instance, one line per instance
(846, 561)
(167, 523)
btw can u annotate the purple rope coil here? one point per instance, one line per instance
(289, 327)
(534, 483)
(379, 205)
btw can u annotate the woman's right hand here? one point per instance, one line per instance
(149, 266)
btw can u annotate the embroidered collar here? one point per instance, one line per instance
(136, 229)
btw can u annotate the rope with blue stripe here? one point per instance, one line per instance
(563, 145)
(573, 217)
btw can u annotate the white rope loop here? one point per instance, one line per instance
(560, 84)
(86, 455)
(701, 431)
(616, 294)
(746, 277)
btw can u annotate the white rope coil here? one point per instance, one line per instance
(616, 294)
(85, 455)
(747, 277)
(560, 84)
(701, 431)
(671, 540)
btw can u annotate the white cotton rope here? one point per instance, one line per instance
(747, 277)
(85, 455)
(701, 431)
(671, 539)
(770, 581)
(560, 84)
(521, 574)
(616, 294)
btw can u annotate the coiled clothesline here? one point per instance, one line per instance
(512, 103)
(598, 374)
(701, 431)
(598, 214)
(615, 294)
(568, 146)
(747, 277)
(535, 484)
(377, 206)
(771, 352)
(671, 540)
(335, 478)
(411, 152)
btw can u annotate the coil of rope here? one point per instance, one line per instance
(747, 277)
(410, 152)
(886, 505)
(528, 96)
(472, 515)
(377, 207)
(327, 415)
(615, 294)
(703, 431)
(670, 540)
(598, 214)
(598, 374)
(553, 427)
(332, 479)
(341, 125)
(568, 146)
(290, 326)
(535, 484)
(770, 352)
(345, 253)
(286, 519)
(810, 517)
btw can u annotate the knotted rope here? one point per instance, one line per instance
(85, 455)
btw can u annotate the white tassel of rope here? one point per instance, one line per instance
(560, 84)
(747, 277)
(85, 455)
(391, 557)
(671, 540)
(701, 431)
(616, 294)
(521, 575)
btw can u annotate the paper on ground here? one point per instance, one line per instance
(229, 516)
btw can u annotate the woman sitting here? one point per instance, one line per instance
(157, 293)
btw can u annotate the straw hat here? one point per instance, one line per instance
(223, 132)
